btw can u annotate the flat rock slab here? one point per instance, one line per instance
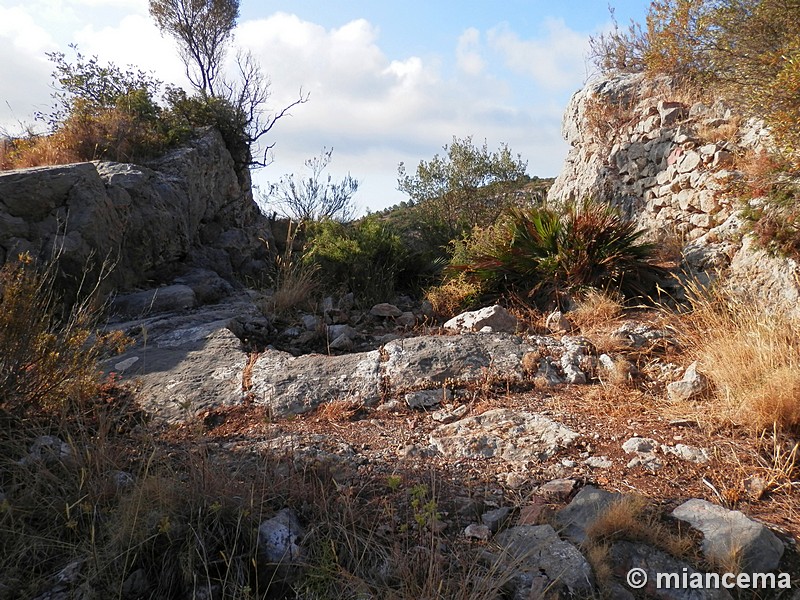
(158, 300)
(191, 371)
(516, 437)
(177, 366)
(727, 532)
(295, 384)
(544, 561)
(429, 361)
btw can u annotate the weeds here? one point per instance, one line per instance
(294, 280)
(47, 361)
(631, 518)
(751, 356)
(596, 308)
(452, 296)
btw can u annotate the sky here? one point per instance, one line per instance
(388, 82)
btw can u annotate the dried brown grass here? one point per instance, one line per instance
(633, 518)
(725, 132)
(751, 356)
(452, 296)
(596, 308)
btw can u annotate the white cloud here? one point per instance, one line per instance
(135, 40)
(468, 52)
(19, 28)
(555, 61)
(24, 69)
(375, 110)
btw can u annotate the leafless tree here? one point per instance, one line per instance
(202, 29)
(248, 93)
(317, 196)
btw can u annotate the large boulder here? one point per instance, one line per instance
(492, 318)
(191, 207)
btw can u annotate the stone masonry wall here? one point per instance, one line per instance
(671, 165)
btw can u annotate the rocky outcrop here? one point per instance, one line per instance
(668, 164)
(671, 164)
(188, 208)
(188, 363)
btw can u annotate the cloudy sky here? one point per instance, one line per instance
(389, 82)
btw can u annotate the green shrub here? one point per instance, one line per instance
(105, 113)
(186, 113)
(468, 186)
(545, 255)
(365, 257)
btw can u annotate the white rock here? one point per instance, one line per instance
(691, 386)
(496, 317)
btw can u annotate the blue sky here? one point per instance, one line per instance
(389, 82)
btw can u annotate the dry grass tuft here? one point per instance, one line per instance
(596, 308)
(452, 297)
(633, 518)
(726, 132)
(751, 356)
(295, 280)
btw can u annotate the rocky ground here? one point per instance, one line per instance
(521, 432)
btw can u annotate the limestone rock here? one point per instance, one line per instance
(477, 532)
(557, 489)
(543, 561)
(598, 462)
(729, 531)
(640, 445)
(385, 310)
(516, 437)
(427, 398)
(692, 385)
(279, 538)
(429, 361)
(47, 449)
(494, 519)
(495, 317)
(187, 371)
(295, 384)
(187, 208)
(625, 556)
(585, 507)
(687, 453)
(159, 300)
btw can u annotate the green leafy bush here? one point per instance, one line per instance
(467, 187)
(103, 112)
(366, 257)
(543, 255)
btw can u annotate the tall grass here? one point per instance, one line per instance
(47, 359)
(752, 357)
